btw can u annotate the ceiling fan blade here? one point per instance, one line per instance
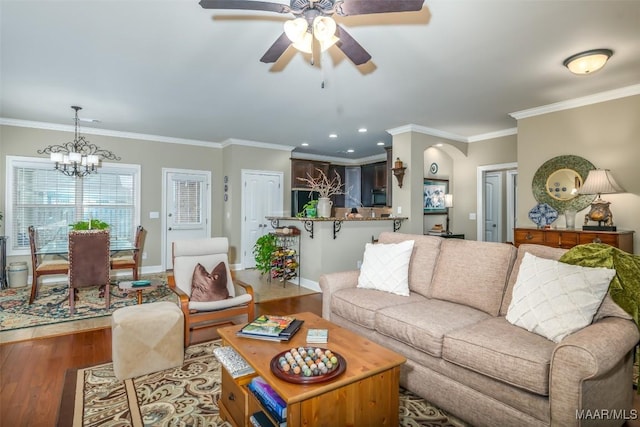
(362, 7)
(245, 4)
(354, 51)
(276, 50)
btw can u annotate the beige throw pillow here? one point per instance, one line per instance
(554, 299)
(385, 267)
(212, 286)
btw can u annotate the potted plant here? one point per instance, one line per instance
(325, 188)
(263, 251)
(310, 209)
(92, 224)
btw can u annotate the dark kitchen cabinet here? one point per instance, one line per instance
(304, 168)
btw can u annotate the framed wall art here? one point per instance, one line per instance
(433, 196)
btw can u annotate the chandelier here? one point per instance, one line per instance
(78, 157)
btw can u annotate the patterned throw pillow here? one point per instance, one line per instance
(212, 286)
(554, 299)
(385, 267)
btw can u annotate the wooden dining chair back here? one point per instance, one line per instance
(206, 256)
(40, 267)
(131, 261)
(88, 262)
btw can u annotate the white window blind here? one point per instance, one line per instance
(51, 201)
(188, 204)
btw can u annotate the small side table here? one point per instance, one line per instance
(127, 286)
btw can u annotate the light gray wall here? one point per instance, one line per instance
(607, 134)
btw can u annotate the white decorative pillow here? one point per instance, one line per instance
(385, 267)
(554, 299)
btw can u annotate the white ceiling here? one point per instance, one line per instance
(173, 69)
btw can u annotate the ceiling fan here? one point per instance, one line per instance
(313, 22)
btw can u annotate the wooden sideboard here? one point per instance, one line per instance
(564, 238)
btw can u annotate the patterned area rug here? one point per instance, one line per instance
(52, 304)
(185, 396)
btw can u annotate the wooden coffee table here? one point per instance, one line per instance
(366, 394)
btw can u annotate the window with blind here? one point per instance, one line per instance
(40, 196)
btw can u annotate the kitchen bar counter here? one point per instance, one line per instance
(333, 244)
(337, 222)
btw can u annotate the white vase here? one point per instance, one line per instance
(324, 207)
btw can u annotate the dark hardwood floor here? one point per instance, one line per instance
(32, 372)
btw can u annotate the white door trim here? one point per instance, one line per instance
(163, 213)
(480, 172)
(512, 176)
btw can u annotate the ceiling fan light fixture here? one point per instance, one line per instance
(588, 62)
(324, 28)
(296, 29)
(305, 44)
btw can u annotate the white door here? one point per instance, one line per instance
(187, 207)
(493, 207)
(262, 196)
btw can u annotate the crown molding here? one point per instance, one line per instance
(256, 144)
(106, 132)
(493, 135)
(340, 160)
(578, 102)
(427, 131)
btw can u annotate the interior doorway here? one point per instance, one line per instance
(496, 202)
(262, 196)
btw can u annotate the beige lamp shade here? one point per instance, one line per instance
(600, 181)
(448, 200)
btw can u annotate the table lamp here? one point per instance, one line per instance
(600, 181)
(448, 203)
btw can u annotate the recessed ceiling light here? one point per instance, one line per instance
(305, 144)
(362, 130)
(380, 143)
(333, 135)
(350, 150)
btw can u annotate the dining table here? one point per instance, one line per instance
(61, 247)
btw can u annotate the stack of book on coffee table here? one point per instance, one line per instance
(271, 327)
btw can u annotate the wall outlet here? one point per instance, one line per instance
(144, 255)
(472, 216)
(399, 209)
(154, 215)
(358, 264)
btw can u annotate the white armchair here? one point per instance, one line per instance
(209, 252)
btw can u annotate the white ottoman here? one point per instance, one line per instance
(146, 338)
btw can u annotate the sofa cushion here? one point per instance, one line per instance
(385, 267)
(360, 305)
(502, 351)
(473, 273)
(423, 259)
(554, 299)
(423, 325)
(537, 250)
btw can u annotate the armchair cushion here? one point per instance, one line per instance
(207, 286)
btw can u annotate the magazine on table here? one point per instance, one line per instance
(284, 335)
(268, 324)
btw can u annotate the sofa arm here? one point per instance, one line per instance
(332, 282)
(601, 354)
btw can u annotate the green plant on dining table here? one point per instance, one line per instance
(93, 224)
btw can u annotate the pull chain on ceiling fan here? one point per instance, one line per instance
(313, 21)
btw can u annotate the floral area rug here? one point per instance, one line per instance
(52, 304)
(184, 396)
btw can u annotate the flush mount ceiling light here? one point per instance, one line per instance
(587, 62)
(78, 157)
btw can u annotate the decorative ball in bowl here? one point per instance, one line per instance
(308, 365)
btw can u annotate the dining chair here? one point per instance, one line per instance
(132, 260)
(88, 262)
(208, 253)
(42, 267)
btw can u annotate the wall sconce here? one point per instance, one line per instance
(398, 171)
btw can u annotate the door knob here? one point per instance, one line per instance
(170, 228)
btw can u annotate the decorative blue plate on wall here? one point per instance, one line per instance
(542, 214)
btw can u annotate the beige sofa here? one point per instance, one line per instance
(463, 355)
